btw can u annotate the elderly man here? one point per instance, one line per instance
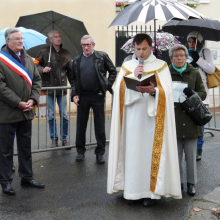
(20, 85)
(143, 159)
(54, 72)
(90, 85)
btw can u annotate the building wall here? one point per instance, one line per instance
(96, 15)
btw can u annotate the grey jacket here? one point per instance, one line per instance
(13, 89)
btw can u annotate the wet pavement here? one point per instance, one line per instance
(78, 191)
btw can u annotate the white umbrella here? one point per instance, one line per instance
(147, 10)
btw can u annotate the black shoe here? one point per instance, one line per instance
(182, 187)
(199, 154)
(7, 189)
(147, 202)
(100, 159)
(191, 189)
(80, 157)
(130, 202)
(32, 183)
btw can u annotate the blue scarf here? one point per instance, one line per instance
(197, 50)
(180, 70)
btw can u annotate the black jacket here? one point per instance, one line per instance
(102, 64)
(61, 68)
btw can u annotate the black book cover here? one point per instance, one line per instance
(131, 83)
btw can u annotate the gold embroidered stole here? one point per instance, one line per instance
(159, 127)
(122, 94)
(158, 134)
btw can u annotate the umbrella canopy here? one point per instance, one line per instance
(209, 29)
(147, 10)
(31, 37)
(71, 29)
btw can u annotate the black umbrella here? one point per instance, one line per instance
(71, 29)
(209, 29)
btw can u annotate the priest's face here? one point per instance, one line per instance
(142, 50)
(179, 58)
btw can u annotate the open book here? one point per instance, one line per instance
(131, 81)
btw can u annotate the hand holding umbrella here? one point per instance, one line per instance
(47, 68)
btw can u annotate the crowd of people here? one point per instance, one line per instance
(149, 128)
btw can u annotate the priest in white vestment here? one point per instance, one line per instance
(143, 158)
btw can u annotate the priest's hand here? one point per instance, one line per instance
(147, 89)
(76, 99)
(139, 70)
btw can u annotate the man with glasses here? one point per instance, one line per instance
(90, 85)
(54, 65)
(20, 85)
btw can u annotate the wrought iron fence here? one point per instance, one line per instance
(41, 141)
(40, 132)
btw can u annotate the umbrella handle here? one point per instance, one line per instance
(49, 53)
(196, 44)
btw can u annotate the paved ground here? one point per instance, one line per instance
(78, 191)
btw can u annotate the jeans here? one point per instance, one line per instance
(200, 140)
(62, 104)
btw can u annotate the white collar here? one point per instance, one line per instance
(89, 54)
(150, 59)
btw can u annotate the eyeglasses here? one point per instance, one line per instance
(86, 45)
(181, 56)
(18, 39)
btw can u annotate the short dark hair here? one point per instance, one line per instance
(139, 38)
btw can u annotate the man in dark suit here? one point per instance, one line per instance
(88, 91)
(20, 85)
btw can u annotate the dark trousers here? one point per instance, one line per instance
(23, 134)
(96, 102)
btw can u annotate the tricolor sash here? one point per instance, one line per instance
(17, 67)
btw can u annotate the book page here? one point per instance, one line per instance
(178, 88)
(135, 78)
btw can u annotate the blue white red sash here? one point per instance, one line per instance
(17, 67)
